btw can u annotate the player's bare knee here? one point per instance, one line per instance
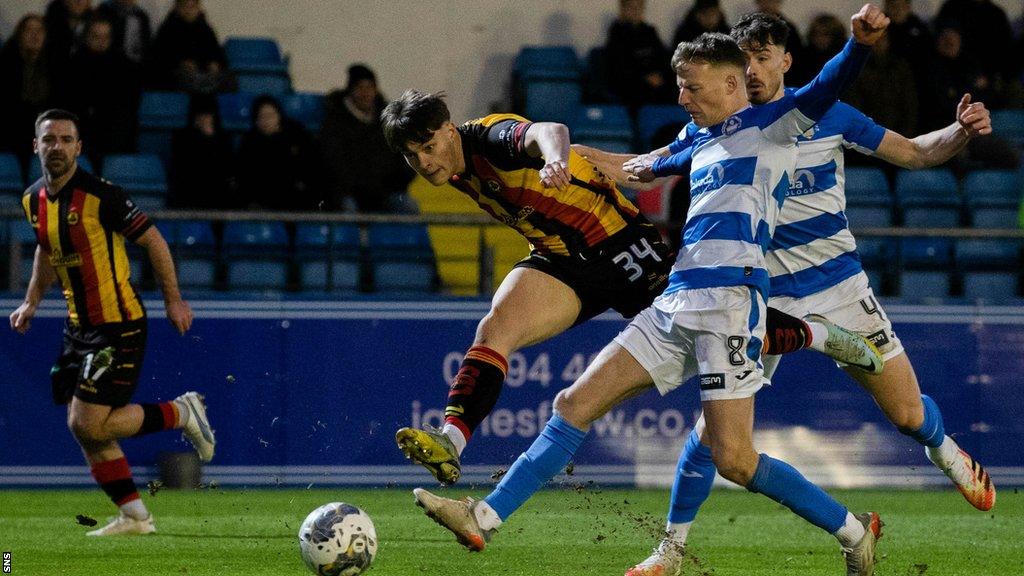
(568, 405)
(734, 463)
(907, 416)
(87, 432)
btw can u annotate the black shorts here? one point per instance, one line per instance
(625, 273)
(100, 365)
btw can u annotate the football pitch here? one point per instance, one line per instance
(563, 531)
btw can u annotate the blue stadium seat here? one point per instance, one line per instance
(257, 83)
(35, 170)
(547, 62)
(24, 235)
(867, 187)
(138, 174)
(875, 251)
(929, 198)
(917, 284)
(255, 54)
(991, 286)
(551, 101)
(926, 253)
(603, 121)
(194, 248)
(306, 108)
(163, 111)
(653, 117)
(615, 146)
(11, 179)
(993, 197)
(869, 216)
(328, 251)
(988, 254)
(1009, 124)
(234, 110)
(402, 258)
(256, 255)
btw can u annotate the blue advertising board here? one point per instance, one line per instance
(307, 393)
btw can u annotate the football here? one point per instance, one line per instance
(338, 539)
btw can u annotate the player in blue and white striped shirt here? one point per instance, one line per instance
(708, 325)
(814, 267)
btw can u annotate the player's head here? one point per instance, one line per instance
(57, 142)
(710, 72)
(763, 37)
(418, 125)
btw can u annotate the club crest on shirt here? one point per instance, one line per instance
(72, 218)
(732, 124)
(493, 186)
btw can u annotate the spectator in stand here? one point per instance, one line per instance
(798, 73)
(202, 171)
(909, 35)
(705, 16)
(186, 53)
(132, 30)
(637, 62)
(363, 173)
(278, 163)
(896, 109)
(825, 37)
(66, 21)
(987, 36)
(106, 94)
(33, 81)
(950, 69)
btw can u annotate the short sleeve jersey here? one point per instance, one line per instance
(502, 178)
(81, 229)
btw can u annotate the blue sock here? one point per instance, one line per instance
(694, 475)
(547, 456)
(931, 433)
(782, 483)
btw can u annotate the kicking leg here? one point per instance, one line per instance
(530, 306)
(897, 393)
(613, 377)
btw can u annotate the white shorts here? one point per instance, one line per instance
(711, 336)
(850, 304)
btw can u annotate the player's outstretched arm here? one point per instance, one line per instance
(815, 99)
(610, 164)
(550, 141)
(179, 314)
(43, 276)
(934, 148)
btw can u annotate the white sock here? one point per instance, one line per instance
(453, 433)
(819, 334)
(851, 532)
(135, 509)
(947, 458)
(183, 413)
(485, 516)
(677, 532)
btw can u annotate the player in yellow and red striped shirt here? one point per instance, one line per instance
(81, 224)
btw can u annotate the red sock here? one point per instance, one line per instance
(115, 478)
(157, 417)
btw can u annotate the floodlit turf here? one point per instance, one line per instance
(562, 532)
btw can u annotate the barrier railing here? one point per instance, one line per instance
(476, 225)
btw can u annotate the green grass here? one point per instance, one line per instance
(560, 532)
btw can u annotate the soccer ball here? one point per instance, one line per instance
(338, 539)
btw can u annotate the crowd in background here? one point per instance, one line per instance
(97, 59)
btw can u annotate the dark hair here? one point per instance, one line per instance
(413, 117)
(59, 114)
(759, 29)
(713, 48)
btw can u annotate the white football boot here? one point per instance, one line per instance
(196, 428)
(124, 525)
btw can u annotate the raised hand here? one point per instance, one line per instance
(869, 24)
